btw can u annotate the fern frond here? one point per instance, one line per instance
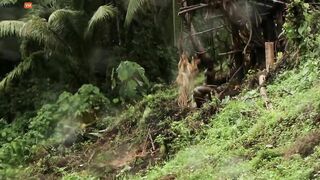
(10, 28)
(103, 13)
(23, 67)
(7, 2)
(133, 7)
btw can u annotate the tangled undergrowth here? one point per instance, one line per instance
(83, 139)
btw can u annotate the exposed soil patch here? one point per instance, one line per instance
(304, 145)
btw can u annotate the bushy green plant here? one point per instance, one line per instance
(58, 121)
(297, 26)
(132, 81)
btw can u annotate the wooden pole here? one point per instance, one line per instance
(269, 49)
(269, 46)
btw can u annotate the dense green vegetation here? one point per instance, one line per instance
(61, 116)
(247, 141)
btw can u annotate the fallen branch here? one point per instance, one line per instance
(145, 144)
(151, 140)
(91, 157)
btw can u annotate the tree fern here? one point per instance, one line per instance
(102, 14)
(10, 28)
(133, 7)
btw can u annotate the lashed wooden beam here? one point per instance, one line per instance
(191, 6)
(230, 52)
(261, 4)
(193, 9)
(208, 30)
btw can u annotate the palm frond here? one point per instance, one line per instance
(133, 7)
(37, 29)
(7, 2)
(56, 18)
(103, 13)
(23, 67)
(10, 28)
(68, 26)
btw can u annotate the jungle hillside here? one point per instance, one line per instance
(160, 89)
